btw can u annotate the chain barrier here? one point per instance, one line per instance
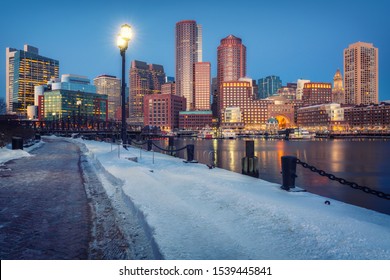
(168, 150)
(343, 181)
(138, 143)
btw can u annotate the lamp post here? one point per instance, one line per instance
(123, 42)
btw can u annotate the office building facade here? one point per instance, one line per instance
(202, 86)
(317, 93)
(361, 74)
(110, 86)
(268, 86)
(188, 51)
(24, 70)
(145, 79)
(231, 60)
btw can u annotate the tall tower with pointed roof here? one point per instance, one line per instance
(338, 93)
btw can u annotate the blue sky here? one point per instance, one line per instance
(291, 39)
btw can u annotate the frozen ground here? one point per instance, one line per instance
(192, 212)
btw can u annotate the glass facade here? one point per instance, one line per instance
(268, 86)
(26, 69)
(74, 106)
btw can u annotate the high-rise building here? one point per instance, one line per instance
(317, 93)
(361, 74)
(202, 85)
(24, 70)
(268, 86)
(338, 93)
(110, 86)
(188, 51)
(231, 56)
(144, 79)
(300, 85)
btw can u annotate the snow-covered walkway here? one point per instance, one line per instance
(193, 212)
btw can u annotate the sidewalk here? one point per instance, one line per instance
(45, 212)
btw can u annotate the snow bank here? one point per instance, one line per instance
(8, 154)
(198, 213)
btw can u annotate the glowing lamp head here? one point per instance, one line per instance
(126, 32)
(121, 42)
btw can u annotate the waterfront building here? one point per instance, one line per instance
(195, 120)
(145, 79)
(361, 74)
(268, 86)
(282, 109)
(240, 94)
(338, 93)
(24, 70)
(66, 101)
(317, 93)
(368, 117)
(188, 51)
(300, 85)
(202, 85)
(162, 110)
(110, 86)
(321, 117)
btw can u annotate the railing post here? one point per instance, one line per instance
(289, 168)
(171, 145)
(150, 145)
(249, 163)
(17, 143)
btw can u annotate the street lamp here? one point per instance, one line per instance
(122, 42)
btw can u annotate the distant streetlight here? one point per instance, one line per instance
(123, 42)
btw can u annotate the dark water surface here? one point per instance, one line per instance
(365, 162)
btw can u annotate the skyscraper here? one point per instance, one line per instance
(188, 51)
(338, 93)
(361, 74)
(231, 56)
(268, 86)
(202, 86)
(24, 70)
(144, 79)
(110, 86)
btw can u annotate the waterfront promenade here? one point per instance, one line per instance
(47, 214)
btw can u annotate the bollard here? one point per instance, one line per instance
(289, 168)
(250, 148)
(150, 145)
(17, 143)
(190, 154)
(249, 163)
(37, 137)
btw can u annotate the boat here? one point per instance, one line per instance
(229, 134)
(206, 133)
(300, 133)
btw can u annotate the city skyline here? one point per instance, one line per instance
(291, 40)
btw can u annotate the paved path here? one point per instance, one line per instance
(45, 212)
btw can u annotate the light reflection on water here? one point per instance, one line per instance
(362, 161)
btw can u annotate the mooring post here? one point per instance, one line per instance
(289, 169)
(171, 145)
(190, 153)
(249, 163)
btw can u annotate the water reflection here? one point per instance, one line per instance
(364, 162)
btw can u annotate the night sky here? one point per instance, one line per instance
(291, 39)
